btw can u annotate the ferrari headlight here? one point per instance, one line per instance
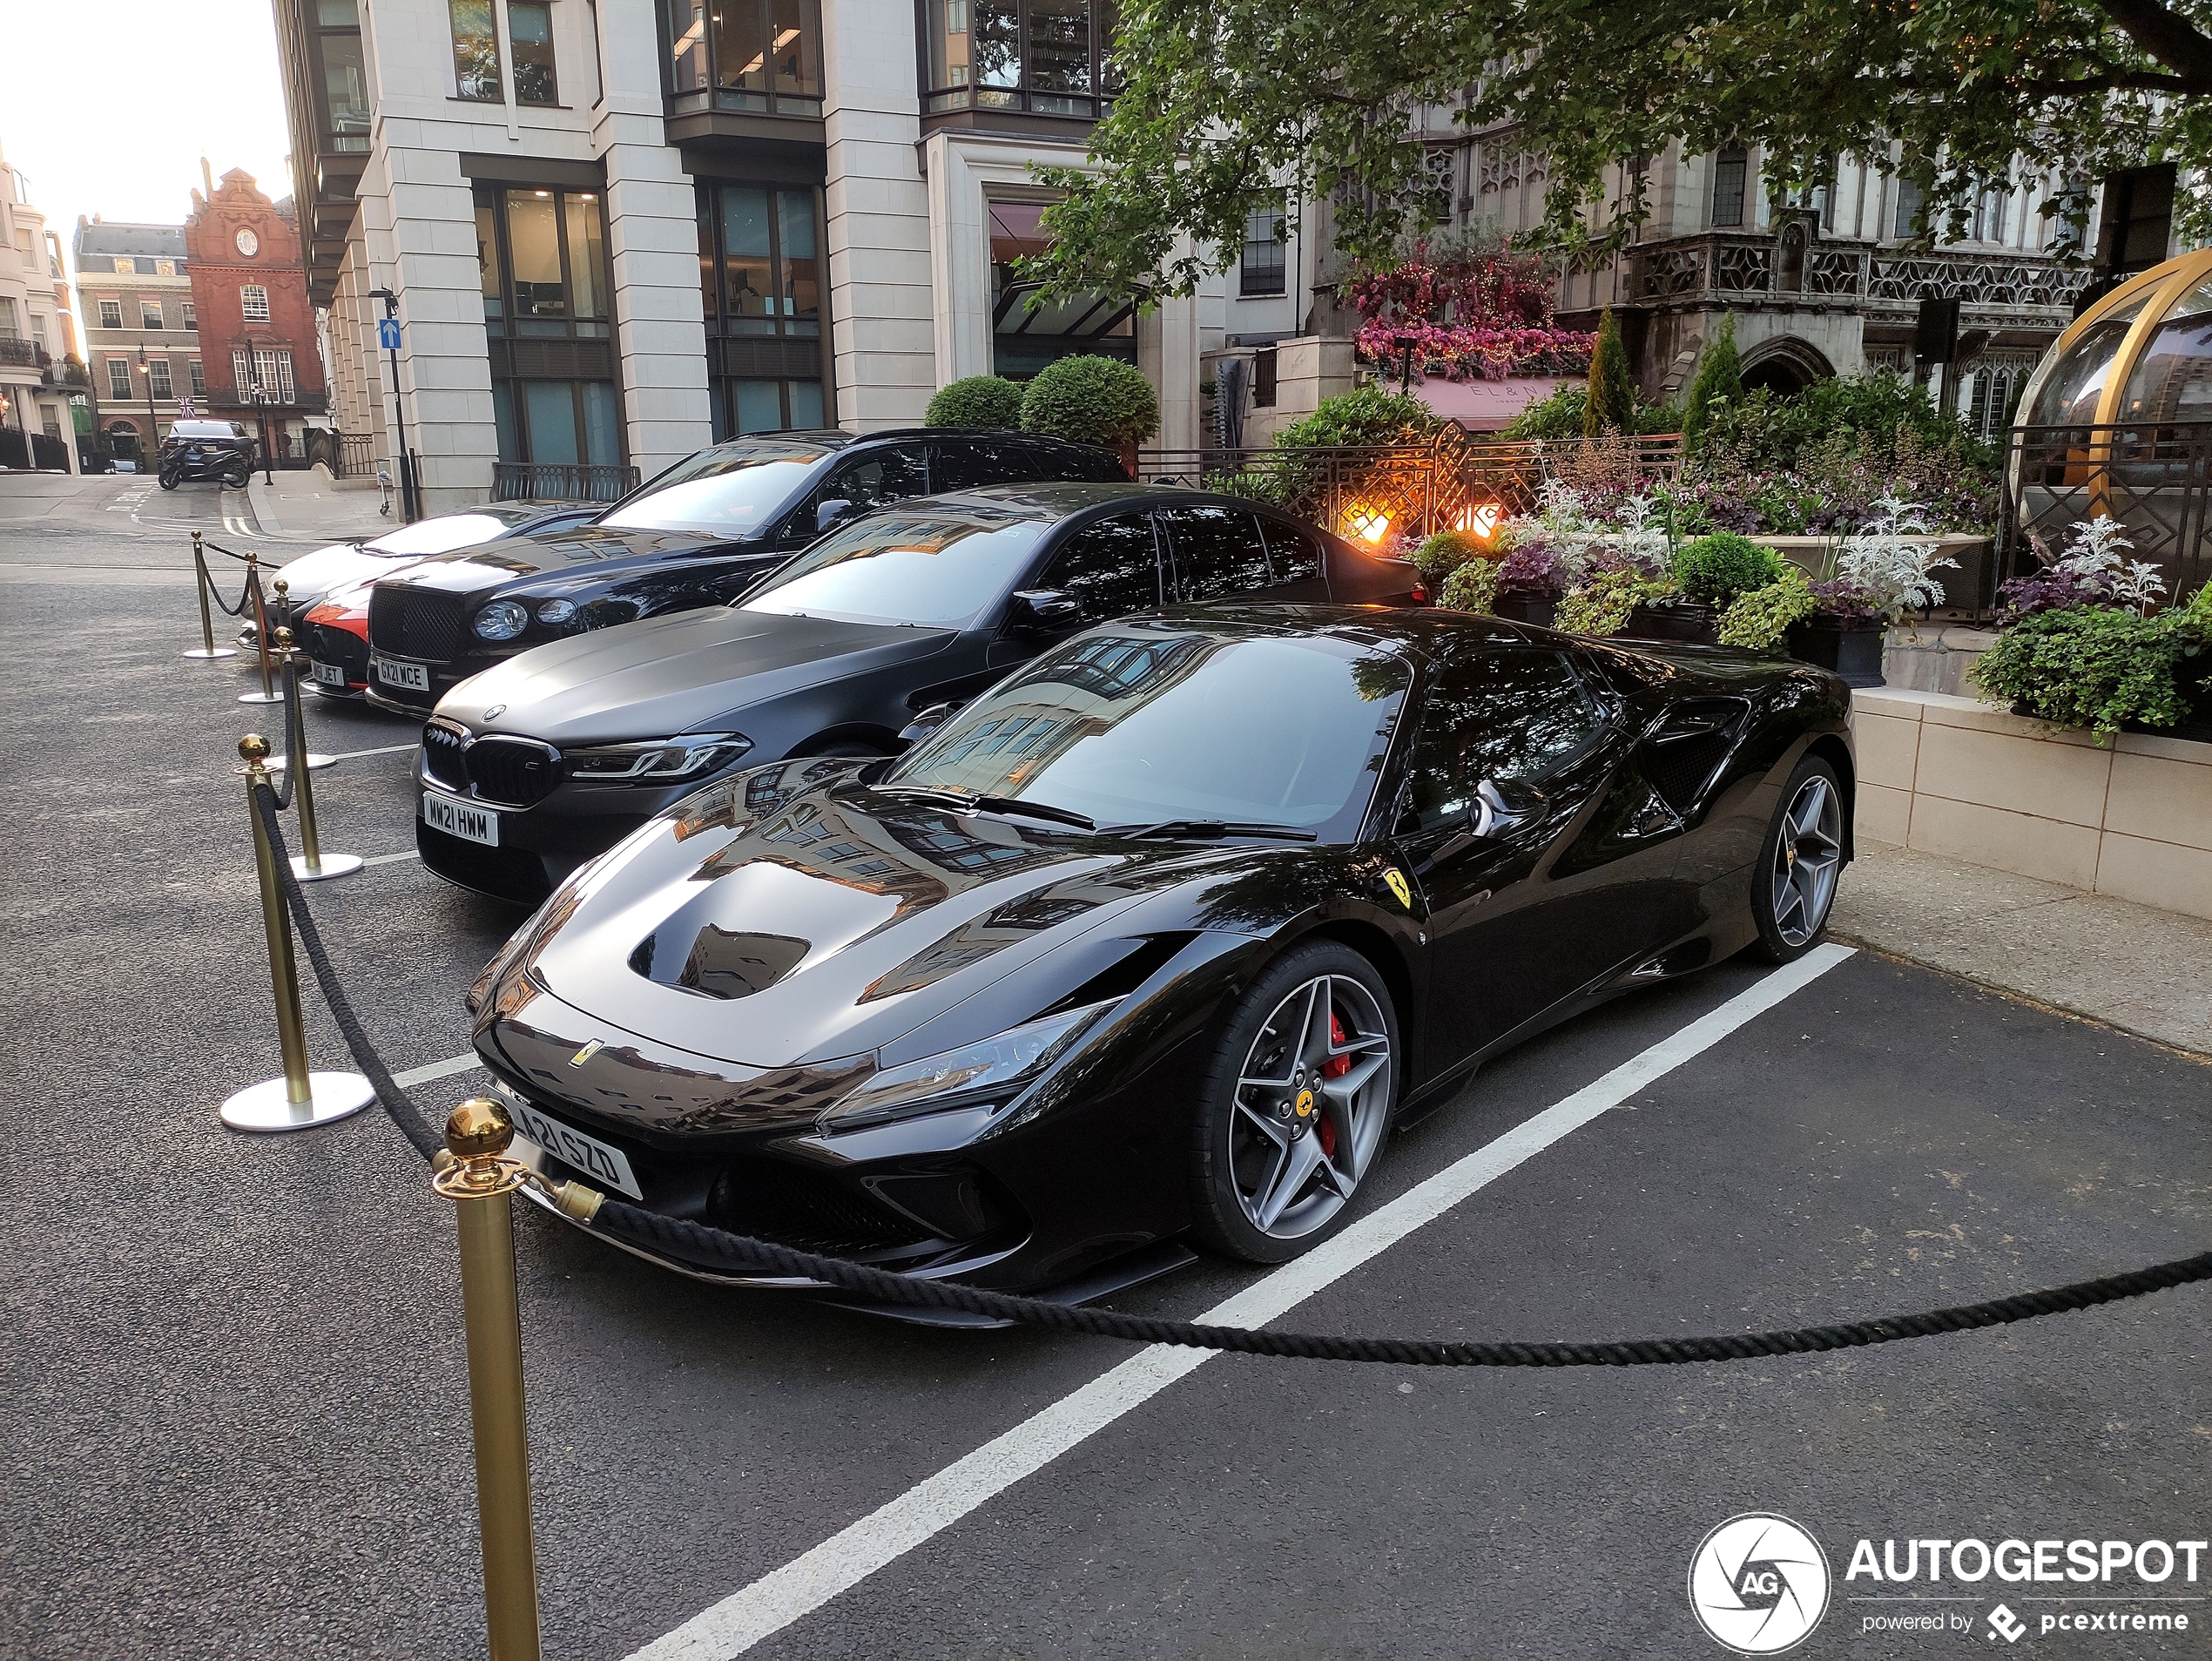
(658, 760)
(1004, 1064)
(502, 620)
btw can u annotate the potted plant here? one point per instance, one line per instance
(1872, 580)
(1707, 574)
(1531, 578)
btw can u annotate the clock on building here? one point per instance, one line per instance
(248, 244)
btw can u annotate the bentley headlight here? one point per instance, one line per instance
(999, 1066)
(657, 761)
(557, 611)
(502, 620)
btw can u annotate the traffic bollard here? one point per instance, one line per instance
(289, 659)
(206, 651)
(310, 864)
(299, 1098)
(268, 694)
(480, 1180)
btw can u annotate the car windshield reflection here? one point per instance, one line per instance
(935, 568)
(730, 491)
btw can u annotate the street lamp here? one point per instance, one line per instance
(153, 423)
(260, 396)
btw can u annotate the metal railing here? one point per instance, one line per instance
(23, 355)
(560, 481)
(2154, 477)
(356, 455)
(67, 374)
(2031, 287)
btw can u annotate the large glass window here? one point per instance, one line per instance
(760, 286)
(345, 79)
(1729, 170)
(1025, 338)
(1260, 268)
(158, 378)
(476, 50)
(530, 28)
(1048, 57)
(759, 56)
(110, 313)
(542, 272)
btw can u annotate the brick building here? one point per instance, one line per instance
(134, 295)
(257, 328)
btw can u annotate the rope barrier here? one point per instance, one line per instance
(245, 594)
(746, 1255)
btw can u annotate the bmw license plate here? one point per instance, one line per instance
(414, 676)
(330, 674)
(601, 1164)
(462, 819)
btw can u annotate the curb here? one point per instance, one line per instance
(261, 502)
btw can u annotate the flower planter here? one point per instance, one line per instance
(1690, 621)
(1539, 608)
(1852, 647)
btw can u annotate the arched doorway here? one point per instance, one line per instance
(1785, 365)
(122, 442)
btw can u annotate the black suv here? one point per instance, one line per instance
(701, 533)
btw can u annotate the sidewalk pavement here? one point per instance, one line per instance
(308, 506)
(2131, 966)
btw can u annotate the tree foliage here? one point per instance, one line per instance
(1611, 404)
(1091, 400)
(976, 401)
(1719, 382)
(1238, 105)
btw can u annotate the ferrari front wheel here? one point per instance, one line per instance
(1794, 884)
(1293, 1112)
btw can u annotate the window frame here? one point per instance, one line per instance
(1251, 277)
(112, 304)
(160, 381)
(157, 312)
(337, 141)
(1023, 96)
(120, 387)
(710, 92)
(196, 372)
(498, 93)
(1737, 157)
(508, 345)
(727, 342)
(552, 99)
(246, 303)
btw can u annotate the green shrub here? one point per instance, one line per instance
(977, 401)
(1561, 416)
(1471, 587)
(1719, 380)
(1253, 483)
(1719, 567)
(1758, 619)
(1091, 400)
(2089, 666)
(1611, 405)
(1443, 554)
(1602, 605)
(1373, 415)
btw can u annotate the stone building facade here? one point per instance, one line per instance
(141, 328)
(45, 390)
(258, 347)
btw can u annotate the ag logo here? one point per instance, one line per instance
(1758, 1583)
(1394, 879)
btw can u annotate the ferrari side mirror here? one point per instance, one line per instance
(926, 723)
(828, 513)
(1502, 805)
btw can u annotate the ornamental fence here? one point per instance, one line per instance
(560, 481)
(2154, 477)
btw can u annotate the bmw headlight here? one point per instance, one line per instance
(557, 611)
(658, 760)
(502, 620)
(1001, 1066)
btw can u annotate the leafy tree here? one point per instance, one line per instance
(1719, 379)
(976, 401)
(1370, 415)
(1241, 105)
(1092, 401)
(1611, 405)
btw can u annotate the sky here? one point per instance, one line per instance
(112, 104)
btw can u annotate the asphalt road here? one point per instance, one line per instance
(235, 1414)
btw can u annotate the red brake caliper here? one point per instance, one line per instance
(1335, 1067)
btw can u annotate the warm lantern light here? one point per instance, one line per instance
(1481, 520)
(1369, 525)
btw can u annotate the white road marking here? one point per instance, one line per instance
(390, 858)
(388, 749)
(446, 1069)
(738, 1622)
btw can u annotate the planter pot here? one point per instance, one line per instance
(1539, 608)
(1690, 621)
(1852, 648)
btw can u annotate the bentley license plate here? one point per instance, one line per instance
(601, 1164)
(416, 677)
(461, 819)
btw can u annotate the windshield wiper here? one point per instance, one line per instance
(1008, 805)
(1206, 829)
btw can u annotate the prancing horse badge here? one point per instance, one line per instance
(586, 1053)
(1396, 881)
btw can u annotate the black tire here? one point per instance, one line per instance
(1790, 926)
(1224, 1144)
(168, 478)
(237, 480)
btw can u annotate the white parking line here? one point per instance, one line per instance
(388, 749)
(390, 859)
(446, 1069)
(806, 1582)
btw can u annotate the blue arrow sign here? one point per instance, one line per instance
(388, 333)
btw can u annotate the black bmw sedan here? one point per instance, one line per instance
(1160, 938)
(700, 534)
(544, 760)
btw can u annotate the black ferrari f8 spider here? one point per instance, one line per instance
(1157, 941)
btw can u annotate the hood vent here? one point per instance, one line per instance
(722, 962)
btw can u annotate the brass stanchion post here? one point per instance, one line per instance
(310, 864)
(300, 1097)
(206, 651)
(268, 694)
(479, 1180)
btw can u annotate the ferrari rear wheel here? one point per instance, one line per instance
(1295, 1108)
(1795, 882)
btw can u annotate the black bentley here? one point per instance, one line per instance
(542, 761)
(700, 534)
(1157, 940)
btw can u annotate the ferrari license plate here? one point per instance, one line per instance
(461, 819)
(330, 674)
(416, 677)
(601, 1164)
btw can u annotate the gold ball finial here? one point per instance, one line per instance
(252, 748)
(281, 638)
(281, 588)
(478, 1129)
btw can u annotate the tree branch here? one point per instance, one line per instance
(2166, 36)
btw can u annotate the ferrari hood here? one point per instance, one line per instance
(679, 674)
(470, 570)
(314, 577)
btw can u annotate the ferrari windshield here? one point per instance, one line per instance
(1143, 723)
(730, 490)
(936, 567)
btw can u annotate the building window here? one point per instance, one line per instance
(541, 261)
(1989, 216)
(345, 81)
(761, 289)
(266, 367)
(1025, 338)
(118, 378)
(198, 379)
(10, 326)
(150, 314)
(1048, 57)
(254, 303)
(529, 28)
(763, 56)
(476, 50)
(191, 315)
(158, 378)
(1263, 372)
(127, 267)
(165, 267)
(1731, 168)
(110, 313)
(1259, 270)
(1908, 207)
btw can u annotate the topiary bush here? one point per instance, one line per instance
(1718, 384)
(1373, 415)
(1719, 567)
(1091, 400)
(977, 401)
(1611, 404)
(1443, 554)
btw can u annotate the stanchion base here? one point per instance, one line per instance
(315, 763)
(205, 656)
(263, 1106)
(333, 864)
(260, 697)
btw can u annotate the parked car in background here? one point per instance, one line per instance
(205, 449)
(1157, 940)
(700, 534)
(335, 635)
(552, 756)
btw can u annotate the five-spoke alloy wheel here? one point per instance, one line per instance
(1802, 857)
